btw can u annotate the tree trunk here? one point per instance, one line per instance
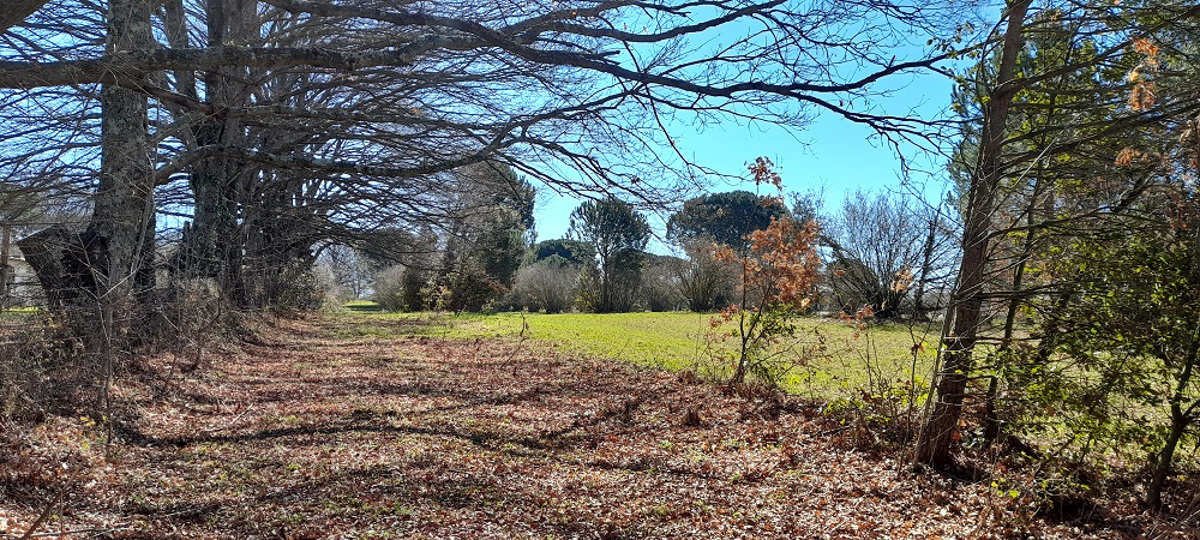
(1162, 467)
(54, 254)
(104, 267)
(12, 12)
(122, 225)
(1180, 419)
(123, 216)
(6, 271)
(920, 311)
(212, 243)
(278, 248)
(938, 433)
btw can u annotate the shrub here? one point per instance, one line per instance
(292, 287)
(24, 362)
(401, 289)
(776, 279)
(548, 285)
(661, 284)
(706, 283)
(776, 283)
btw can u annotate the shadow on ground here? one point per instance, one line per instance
(325, 431)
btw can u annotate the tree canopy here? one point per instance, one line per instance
(725, 218)
(617, 233)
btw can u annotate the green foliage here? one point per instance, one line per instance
(572, 251)
(398, 288)
(467, 288)
(612, 288)
(618, 234)
(487, 237)
(1130, 333)
(500, 247)
(414, 290)
(610, 226)
(292, 287)
(1077, 154)
(705, 283)
(724, 218)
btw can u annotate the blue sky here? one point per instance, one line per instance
(830, 153)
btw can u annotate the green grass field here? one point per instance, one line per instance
(851, 358)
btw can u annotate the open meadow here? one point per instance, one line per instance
(834, 358)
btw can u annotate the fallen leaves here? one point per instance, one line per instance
(327, 435)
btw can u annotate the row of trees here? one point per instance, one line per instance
(248, 134)
(888, 252)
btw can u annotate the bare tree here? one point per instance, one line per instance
(880, 246)
(280, 123)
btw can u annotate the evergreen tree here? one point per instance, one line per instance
(617, 234)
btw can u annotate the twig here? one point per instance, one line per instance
(228, 425)
(94, 530)
(45, 514)
(520, 342)
(836, 430)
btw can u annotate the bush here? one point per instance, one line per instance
(400, 289)
(777, 278)
(661, 284)
(548, 285)
(289, 287)
(706, 283)
(25, 359)
(615, 287)
(468, 288)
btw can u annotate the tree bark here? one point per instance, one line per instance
(123, 215)
(920, 311)
(212, 242)
(51, 253)
(938, 433)
(1162, 467)
(12, 12)
(6, 271)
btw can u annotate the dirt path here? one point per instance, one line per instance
(314, 436)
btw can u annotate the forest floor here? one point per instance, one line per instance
(314, 433)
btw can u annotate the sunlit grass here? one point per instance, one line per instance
(853, 358)
(362, 305)
(18, 313)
